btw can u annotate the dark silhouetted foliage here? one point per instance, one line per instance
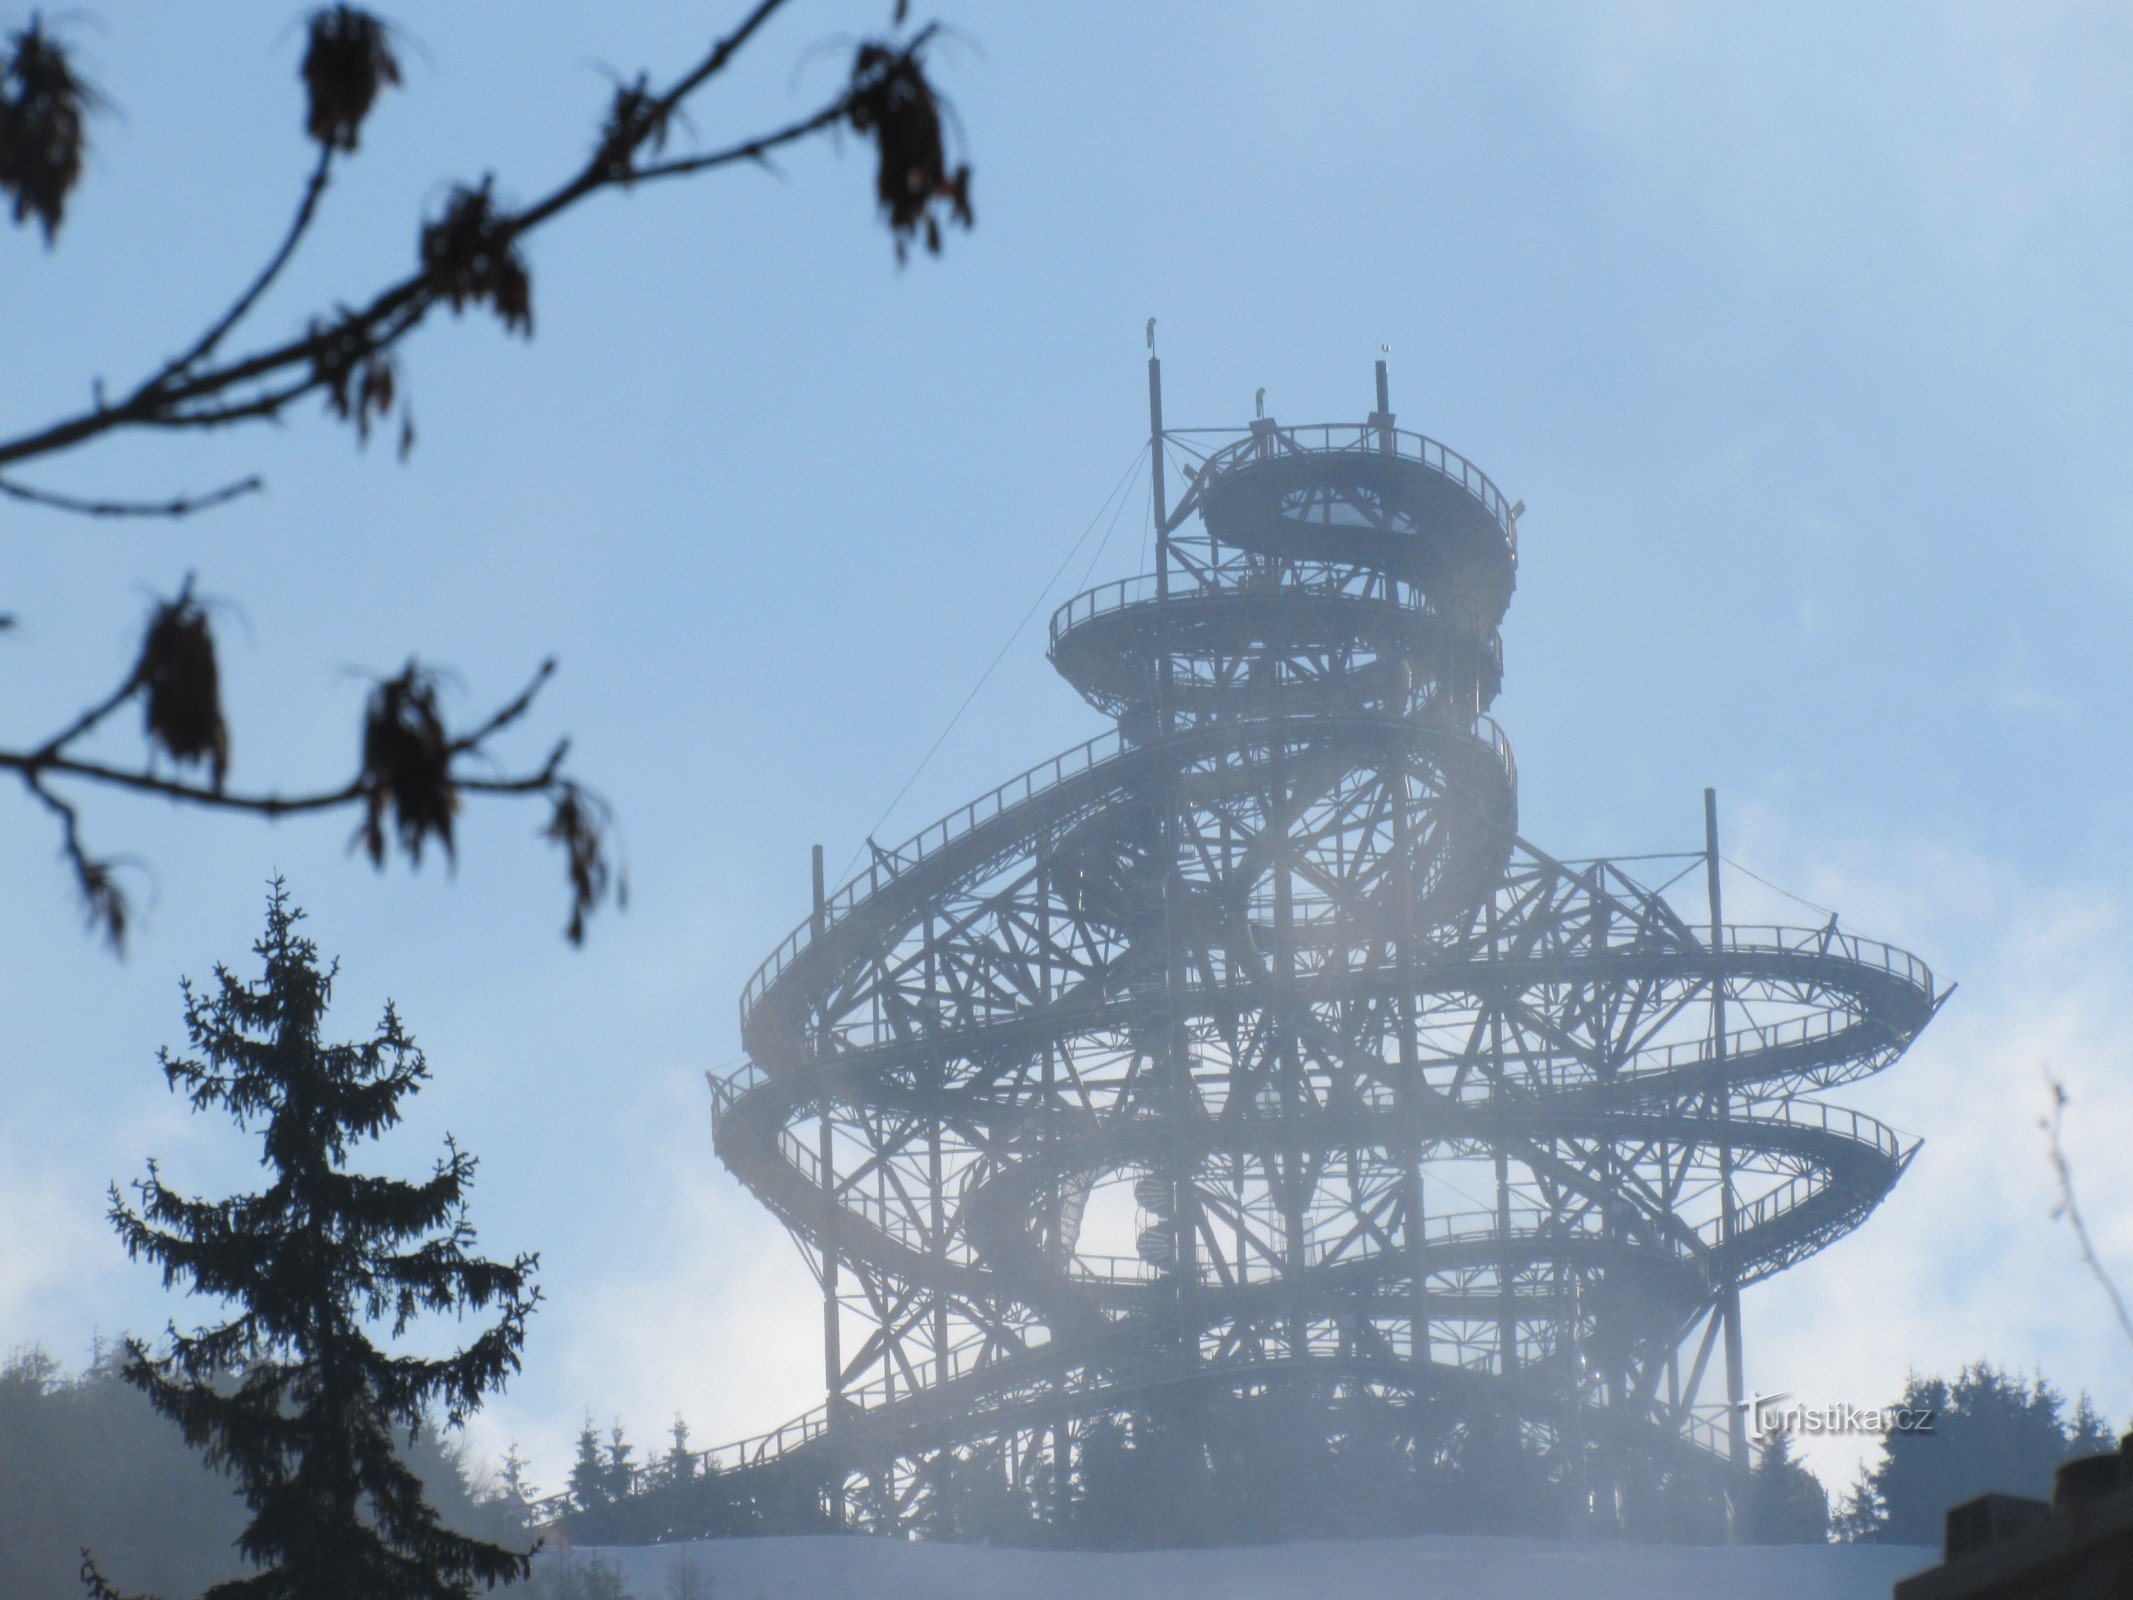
(408, 783)
(181, 686)
(580, 824)
(407, 766)
(1285, 1464)
(84, 1459)
(291, 1396)
(470, 256)
(636, 122)
(348, 60)
(678, 1465)
(44, 117)
(589, 1485)
(1786, 1503)
(362, 381)
(895, 104)
(618, 1473)
(1991, 1432)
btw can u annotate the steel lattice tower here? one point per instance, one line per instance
(1250, 1046)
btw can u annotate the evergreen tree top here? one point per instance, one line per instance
(1992, 1430)
(291, 1395)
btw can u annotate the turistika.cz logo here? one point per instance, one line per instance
(1771, 1414)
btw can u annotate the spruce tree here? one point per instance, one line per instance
(679, 1465)
(1991, 1431)
(619, 1473)
(514, 1488)
(292, 1396)
(1786, 1503)
(588, 1472)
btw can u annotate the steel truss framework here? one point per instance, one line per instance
(1250, 1048)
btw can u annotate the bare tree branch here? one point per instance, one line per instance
(87, 720)
(756, 149)
(2069, 1209)
(509, 712)
(182, 506)
(104, 902)
(37, 770)
(306, 209)
(193, 391)
(412, 771)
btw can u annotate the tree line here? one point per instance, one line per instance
(1306, 1465)
(293, 1450)
(83, 1457)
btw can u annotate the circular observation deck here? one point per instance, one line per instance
(1373, 497)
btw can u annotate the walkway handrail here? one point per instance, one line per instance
(890, 865)
(1653, 1059)
(1322, 578)
(1752, 939)
(1362, 438)
(1824, 941)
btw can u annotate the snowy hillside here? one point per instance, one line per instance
(1440, 1568)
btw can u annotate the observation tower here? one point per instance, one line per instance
(1247, 1055)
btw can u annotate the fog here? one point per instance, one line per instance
(1797, 334)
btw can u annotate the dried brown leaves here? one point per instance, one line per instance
(362, 379)
(44, 113)
(181, 686)
(470, 256)
(347, 63)
(581, 823)
(105, 907)
(895, 105)
(636, 121)
(407, 767)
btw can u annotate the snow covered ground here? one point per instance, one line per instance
(831, 1567)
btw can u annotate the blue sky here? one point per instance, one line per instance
(1802, 330)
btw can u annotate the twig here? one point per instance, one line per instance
(256, 408)
(377, 790)
(2069, 1209)
(91, 717)
(306, 209)
(751, 150)
(510, 712)
(33, 767)
(104, 903)
(171, 398)
(182, 506)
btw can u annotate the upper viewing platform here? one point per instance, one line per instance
(1329, 568)
(1366, 495)
(1270, 439)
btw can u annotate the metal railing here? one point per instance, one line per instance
(1315, 578)
(890, 865)
(1650, 1060)
(1654, 1059)
(1845, 1123)
(1451, 1228)
(873, 1207)
(1825, 941)
(1741, 1044)
(1361, 438)
(1796, 1191)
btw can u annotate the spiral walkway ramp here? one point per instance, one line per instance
(1250, 1047)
